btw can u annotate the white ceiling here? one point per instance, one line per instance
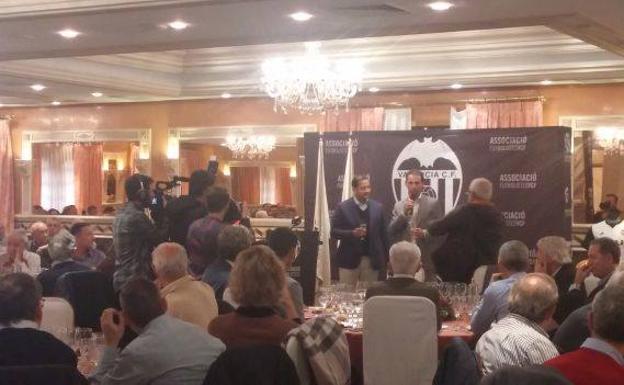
(227, 41)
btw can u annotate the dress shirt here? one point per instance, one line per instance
(296, 293)
(22, 324)
(32, 266)
(493, 305)
(362, 205)
(514, 341)
(605, 348)
(92, 258)
(167, 351)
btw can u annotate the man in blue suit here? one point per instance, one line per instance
(360, 226)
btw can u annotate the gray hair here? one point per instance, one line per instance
(170, 261)
(38, 226)
(533, 297)
(556, 247)
(617, 279)
(61, 246)
(514, 256)
(232, 240)
(404, 257)
(608, 314)
(481, 188)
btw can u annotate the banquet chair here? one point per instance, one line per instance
(41, 375)
(528, 375)
(58, 315)
(89, 293)
(400, 341)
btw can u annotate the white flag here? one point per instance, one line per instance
(322, 222)
(348, 172)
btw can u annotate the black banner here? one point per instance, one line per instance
(529, 167)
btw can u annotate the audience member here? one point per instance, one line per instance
(70, 210)
(474, 233)
(553, 258)
(405, 263)
(183, 211)
(17, 259)
(232, 240)
(285, 244)
(38, 236)
(519, 339)
(513, 262)
(21, 341)
(602, 259)
(38, 210)
(166, 351)
(61, 249)
(134, 234)
(575, 330)
(187, 299)
(54, 225)
(93, 211)
(86, 251)
(53, 211)
(203, 233)
(108, 211)
(256, 283)
(600, 360)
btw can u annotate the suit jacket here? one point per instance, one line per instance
(28, 346)
(576, 298)
(429, 210)
(573, 331)
(217, 275)
(345, 220)
(407, 287)
(564, 278)
(48, 278)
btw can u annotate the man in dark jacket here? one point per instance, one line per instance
(474, 234)
(183, 211)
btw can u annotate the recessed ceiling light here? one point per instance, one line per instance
(69, 33)
(96, 94)
(56, 103)
(373, 89)
(178, 25)
(456, 86)
(226, 95)
(38, 87)
(440, 6)
(546, 82)
(301, 16)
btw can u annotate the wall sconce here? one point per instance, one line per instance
(293, 171)
(26, 147)
(226, 169)
(173, 144)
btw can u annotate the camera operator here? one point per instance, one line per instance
(134, 233)
(609, 204)
(183, 211)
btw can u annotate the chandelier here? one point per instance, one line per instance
(253, 147)
(611, 139)
(310, 83)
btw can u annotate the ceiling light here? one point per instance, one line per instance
(226, 95)
(440, 6)
(56, 103)
(96, 94)
(38, 87)
(373, 89)
(456, 86)
(68, 33)
(252, 147)
(301, 16)
(178, 25)
(546, 82)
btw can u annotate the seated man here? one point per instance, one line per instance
(86, 252)
(166, 351)
(284, 242)
(405, 262)
(21, 341)
(519, 339)
(38, 236)
(600, 360)
(54, 226)
(187, 299)
(60, 248)
(513, 261)
(17, 259)
(231, 241)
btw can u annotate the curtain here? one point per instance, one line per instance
(283, 191)
(88, 175)
(505, 114)
(36, 174)
(397, 119)
(133, 155)
(57, 176)
(356, 119)
(267, 184)
(6, 176)
(246, 184)
(190, 160)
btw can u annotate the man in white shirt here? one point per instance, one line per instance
(519, 339)
(17, 259)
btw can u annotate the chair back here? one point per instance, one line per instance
(89, 292)
(479, 278)
(528, 375)
(400, 341)
(58, 316)
(258, 365)
(40, 375)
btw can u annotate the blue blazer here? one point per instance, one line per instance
(346, 218)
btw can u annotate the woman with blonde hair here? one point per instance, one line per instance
(257, 283)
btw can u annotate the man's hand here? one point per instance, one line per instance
(409, 205)
(418, 233)
(113, 331)
(583, 269)
(359, 232)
